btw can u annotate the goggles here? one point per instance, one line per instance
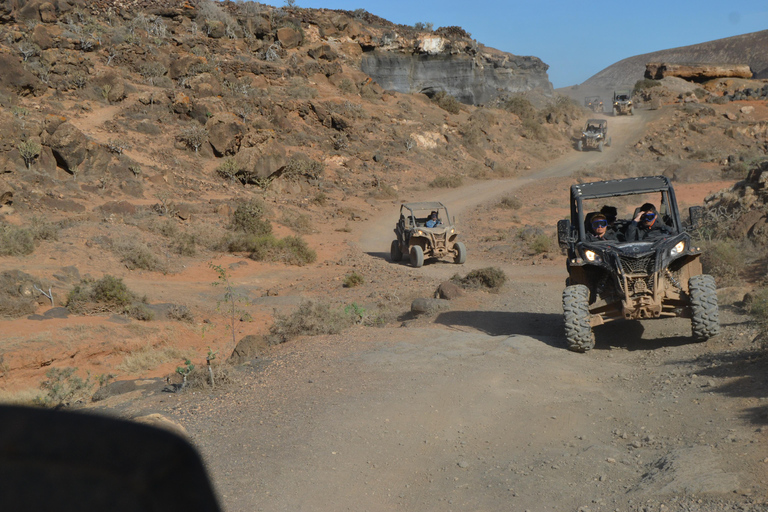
(648, 217)
(601, 223)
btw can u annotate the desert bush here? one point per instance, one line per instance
(300, 165)
(472, 133)
(293, 250)
(152, 71)
(200, 378)
(320, 199)
(645, 84)
(310, 319)
(346, 86)
(248, 218)
(299, 222)
(452, 181)
(300, 90)
(520, 106)
(43, 230)
(536, 240)
(383, 191)
(540, 244)
(16, 241)
(137, 256)
(723, 259)
(492, 278)
(447, 102)
(62, 388)
(534, 130)
(194, 136)
(353, 279)
(150, 357)
(140, 312)
(107, 294)
(180, 313)
(29, 150)
(757, 305)
(184, 244)
(510, 203)
(228, 169)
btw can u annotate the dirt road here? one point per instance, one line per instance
(481, 407)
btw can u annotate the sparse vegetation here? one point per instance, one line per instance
(492, 278)
(62, 388)
(510, 203)
(300, 165)
(723, 259)
(353, 279)
(299, 222)
(447, 102)
(310, 319)
(248, 218)
(149, 357)
(194, 137)
(107, 294)
(16, 241)
(29, 150)
(452, 181)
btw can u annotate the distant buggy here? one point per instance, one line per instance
(594, 135)
(594, 103)
(420, 242)
(622, 103)
(616, 279)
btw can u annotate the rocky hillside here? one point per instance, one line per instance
(117, 97)
(746, 49)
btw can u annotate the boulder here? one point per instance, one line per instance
(428, 306)
(323, 52)
(289, 37)
(216, 29)
(43, 36)
(225, 130)
(260, 162)
(449, 290)
(250, 347)
(112, 86)
(16, 78)
(185, 66)
(694, 71)
(205, 85)
(47, 13)
(69, 145)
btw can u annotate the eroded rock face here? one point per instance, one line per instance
(696, 72)
(471, 77)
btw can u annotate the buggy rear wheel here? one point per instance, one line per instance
(394, 251)
(417, 256)
(461, 253)
(578, 331)
(705, 321)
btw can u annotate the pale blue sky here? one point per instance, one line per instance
(576, 38)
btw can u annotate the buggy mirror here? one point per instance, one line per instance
(67, 461)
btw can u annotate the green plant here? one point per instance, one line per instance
(62, 387)
(355, 311)
(109, 293)
(228, 169)
(231, 300)
(520, 106)
(184, 371)
(29, 150)
(540, 244)
(452, 181)
(353, 279)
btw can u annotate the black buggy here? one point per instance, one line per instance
(654, 278)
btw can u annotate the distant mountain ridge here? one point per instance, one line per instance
(751, 49)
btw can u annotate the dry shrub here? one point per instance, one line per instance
(16, 241)
(447, 102)
(353, 279)
(492, 278)
(299, 222)
(724, 259)
(452, 181)
(150, 357)
(310, 319)
(200, 378)
(107, 294)
(757, 305)
(136, 255)
(509, 203)
(248, 218)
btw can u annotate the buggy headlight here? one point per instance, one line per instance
(590, 255)
(677, 249)
(420, 233)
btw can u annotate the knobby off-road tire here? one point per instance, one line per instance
(705, 321)
(394, 251)
(579, 146)
(461, 253)
(417, 256)
(600, 146)
(578, 331)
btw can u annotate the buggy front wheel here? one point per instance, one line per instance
(705, 321)
(417, 256)
(578, 331)
(461, 253)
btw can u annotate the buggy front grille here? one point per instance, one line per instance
(641, 265)
(439, 241)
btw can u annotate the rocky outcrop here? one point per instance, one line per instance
(744, 49)
(472, 74)
(696, 72)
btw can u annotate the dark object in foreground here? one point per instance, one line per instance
(55, 460)
(659, 276)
